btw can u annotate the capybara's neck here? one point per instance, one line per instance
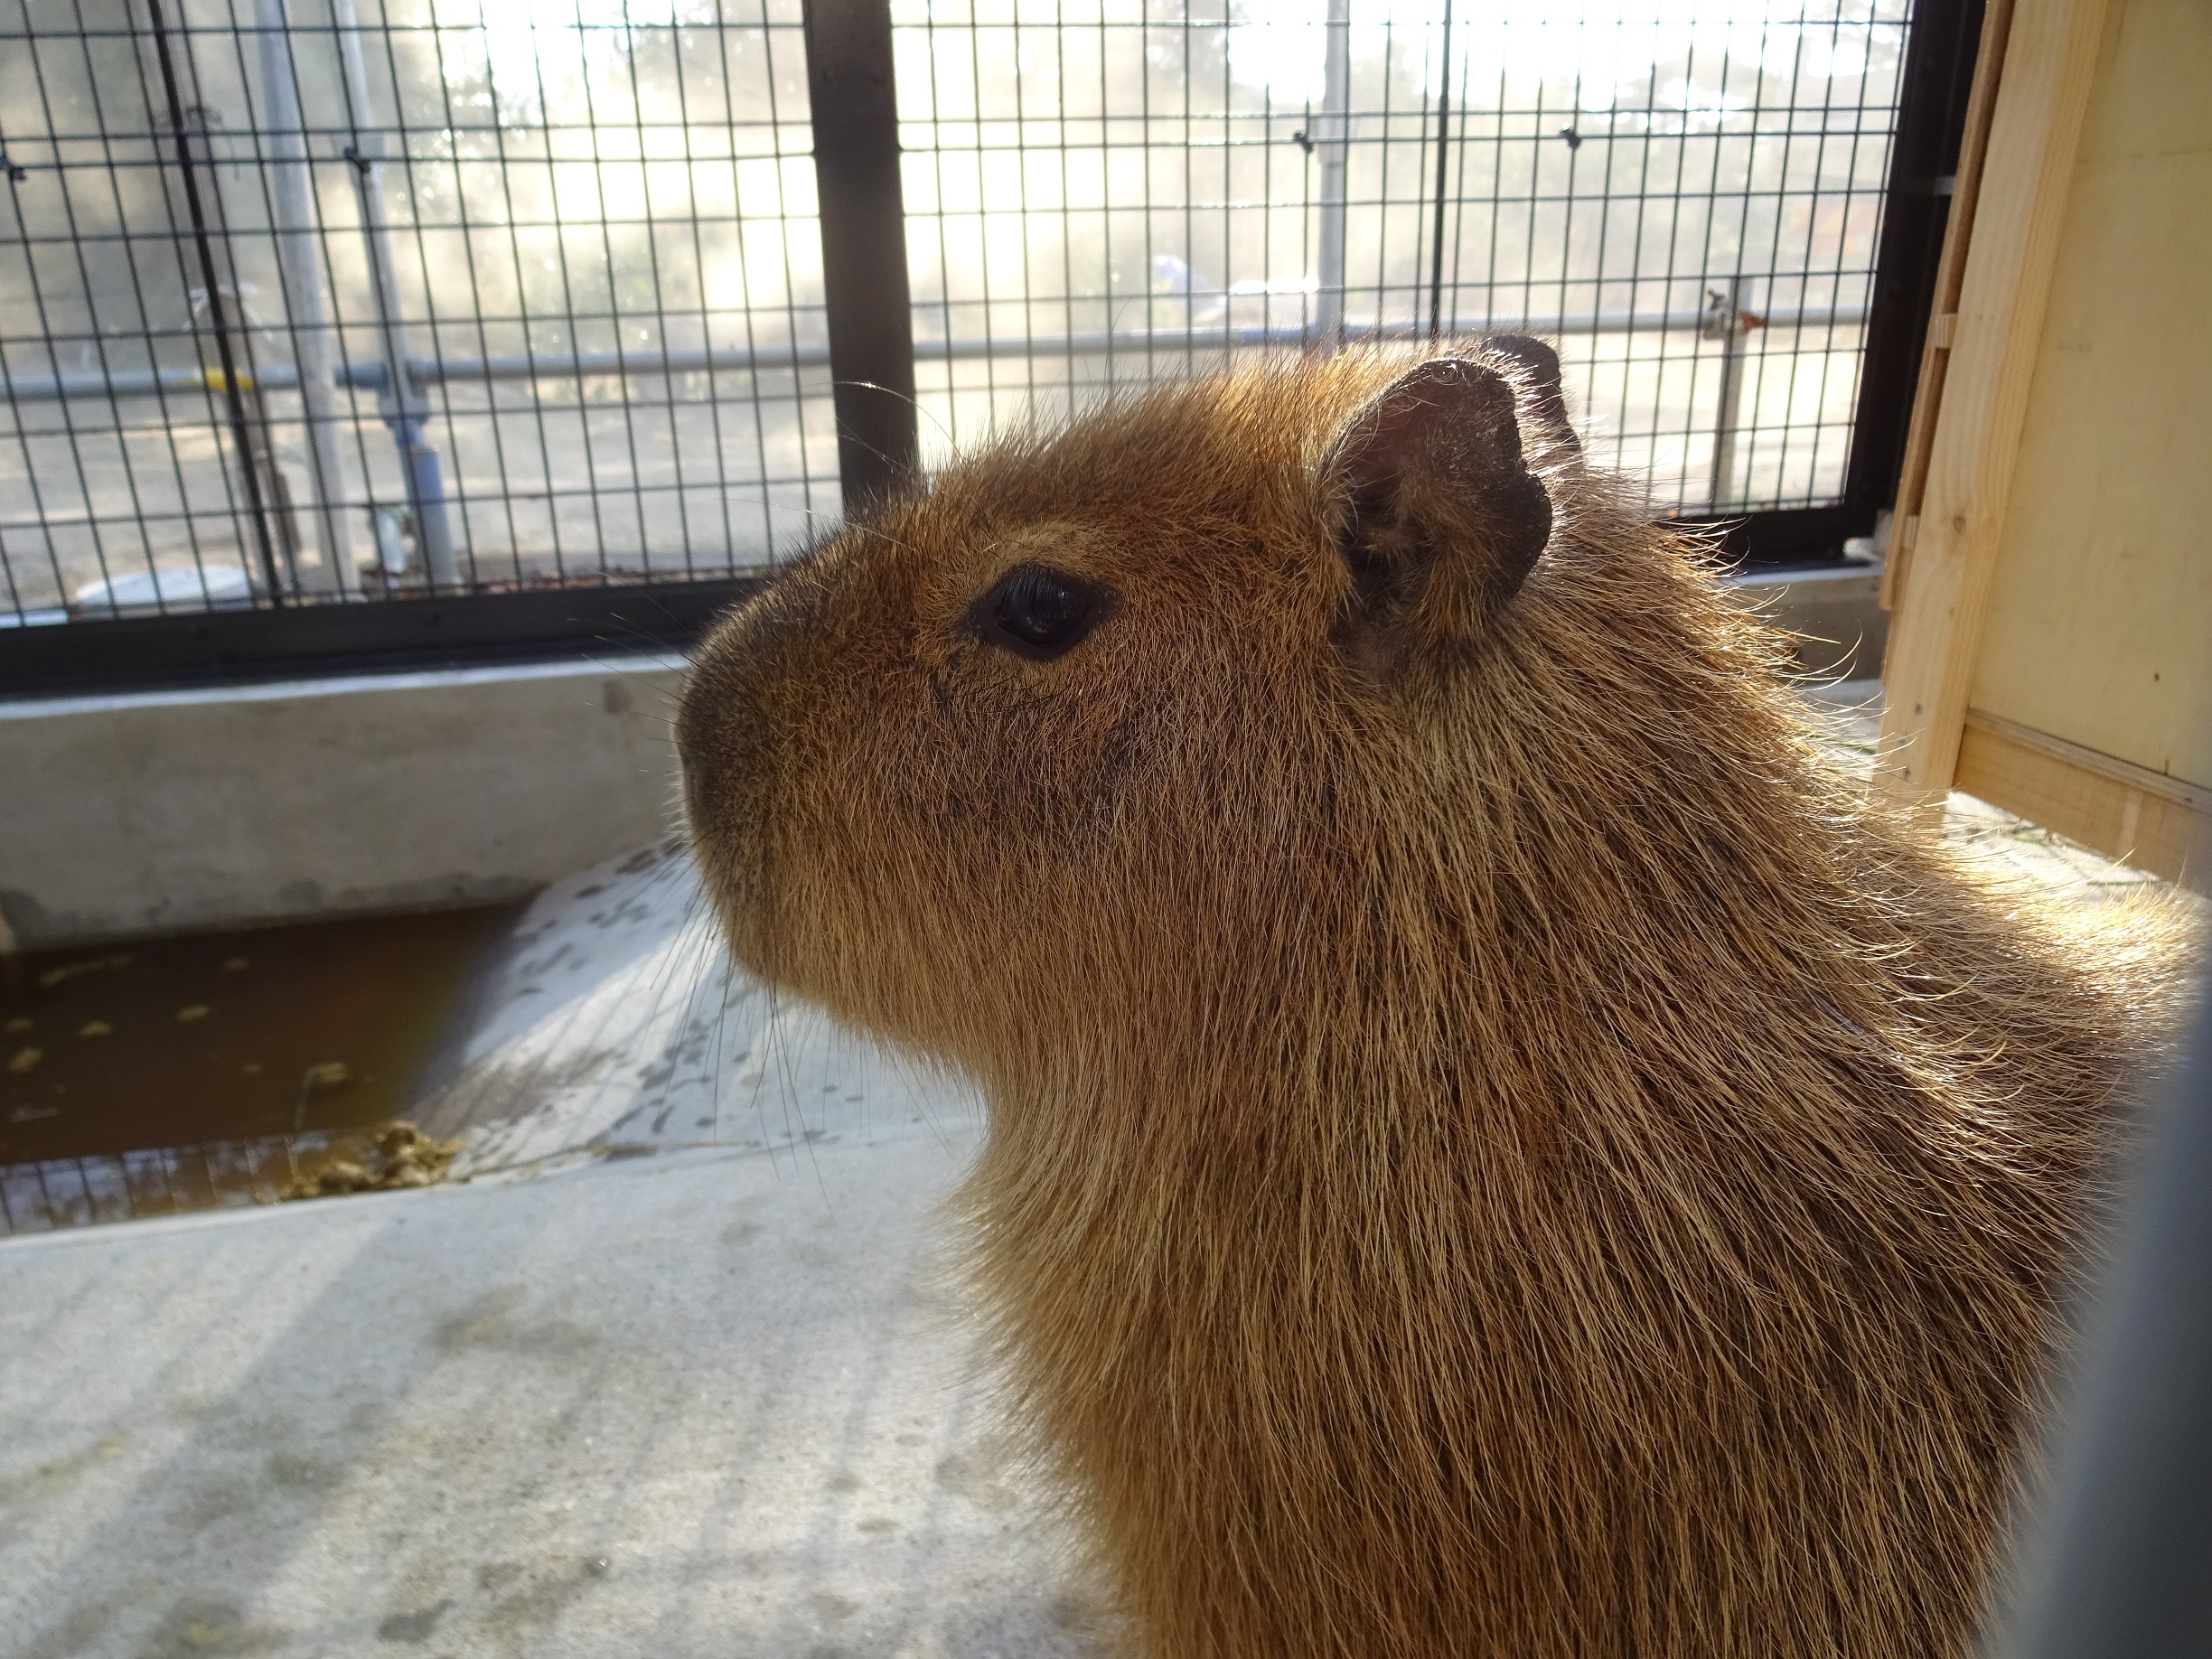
(1618, 1211)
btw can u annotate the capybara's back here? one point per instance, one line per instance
(1496, 1148)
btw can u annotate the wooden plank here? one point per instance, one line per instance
(2051, 55)
(2105, 807)
(2179, 791)
(2099, 627)
(1943, 307)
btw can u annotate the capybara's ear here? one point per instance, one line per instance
(1540, 379)
(1433, 509)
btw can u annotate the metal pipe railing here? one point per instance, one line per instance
(1725, 321)
(1722, 320)
(313, 341)
(1331, 134)
(371, 377)
(405, 409)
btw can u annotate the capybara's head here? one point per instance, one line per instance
(1086, 721)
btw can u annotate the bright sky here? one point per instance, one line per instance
(1278, 43)
(1551, 40)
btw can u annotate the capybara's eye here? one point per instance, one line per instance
(1037, 612)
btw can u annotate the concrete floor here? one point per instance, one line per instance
(700, 1405)
(679, 1368)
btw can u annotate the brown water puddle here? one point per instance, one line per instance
(191, 1073)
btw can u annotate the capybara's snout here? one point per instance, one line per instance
(730, 724)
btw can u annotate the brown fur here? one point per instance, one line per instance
(1495, 1149)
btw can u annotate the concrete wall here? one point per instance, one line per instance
(170, 811)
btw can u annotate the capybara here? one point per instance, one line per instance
(1495, 1147)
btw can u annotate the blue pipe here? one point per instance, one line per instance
(418, 464)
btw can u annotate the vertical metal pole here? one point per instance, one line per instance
(233, 390)
(854, 103)
(406, 409)
(1436, 268)
(297, 224)
(1333, 141)
(1724, 323)
(2124, 1561)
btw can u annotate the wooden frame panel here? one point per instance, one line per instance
(2055, 581)
(2049, 66)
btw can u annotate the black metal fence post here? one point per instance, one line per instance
(1939, 69)
(234, 396)
(855, 102)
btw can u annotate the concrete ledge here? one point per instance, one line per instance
(699, 1405)
(166, 811)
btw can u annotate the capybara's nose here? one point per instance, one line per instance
(743, 696)
(723, 722)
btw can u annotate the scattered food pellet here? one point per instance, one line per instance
(252, 1068)
(16, 1026)
(403, 1157)
(191, 1014)
(235, 964)
(329, 1074)
(405, 1149)
(341, 1175)
(24, 1061)
(95, 1027)
(76, 970)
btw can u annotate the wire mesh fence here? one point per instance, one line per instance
(320, 307)
(302, 305)
(1688, 198)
